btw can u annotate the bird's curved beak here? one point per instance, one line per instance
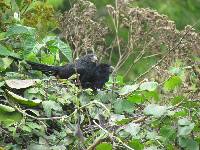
(111, 69)
(94, 59)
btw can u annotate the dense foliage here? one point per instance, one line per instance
(160, 109)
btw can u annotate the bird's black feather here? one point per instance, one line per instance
(92, 74)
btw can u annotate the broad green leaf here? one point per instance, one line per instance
(152, 135)
(116, 118)
(104, 146)
(136, 98)
(124, 121)
(26, 128)
(9, 118)
(21, 84)
(33, 125)
(54, 43)
(132, 128)
(21, 100)
(184, 122)
(34, 146)
(185, 127)
(119, 80)
(47, 59)
(20, 29)
(106, 96)
(168, 133)
(172, 83)
(149, 86)
(127, 89)
(65, 49)
(151, 95)
(5, 52)
(136, 144)
(177, 99)
(2, 83)
(188, 143)
(28, 44)
(175, 70)
(155, 110)
(27, 36)
(5, 63)
(121, 106)
(49, 106)
(6, 108)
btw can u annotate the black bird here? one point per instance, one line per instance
(82, 66)
(92, 74)
(99, 78)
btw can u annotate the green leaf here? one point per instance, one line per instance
(119, 80)
(152, 135)
(5, 63)
(121, 106)
(28, 44)
(155, 110)
(47, 59)
(177, 99)
(124, 121)
(5, 52)
(20, 29)
(2, 83)
(21, 100)
(54, 43)
(26, 34)
(34, 146)
(184, 122)
(127, 89)
(49, 106)
(151, 95)
(65, 49)
(185, 127)
(116, 118)
(136, 144)
(172, 83)
(136, 98)
(9, 118)
(6, 108)
(132, 128)
(175, 70)
(104, 146)
(168, 133)
(33, 125)
(149, 86)
(188, 144)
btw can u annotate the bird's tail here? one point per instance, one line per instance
(46, 69)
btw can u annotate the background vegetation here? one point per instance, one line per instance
(152, 99)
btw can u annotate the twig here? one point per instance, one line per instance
(60, 117)
(97, 142)
(112, 136)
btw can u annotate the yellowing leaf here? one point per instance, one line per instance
(21, 84)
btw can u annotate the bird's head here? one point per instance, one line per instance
(88, 58)
(91, 58)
